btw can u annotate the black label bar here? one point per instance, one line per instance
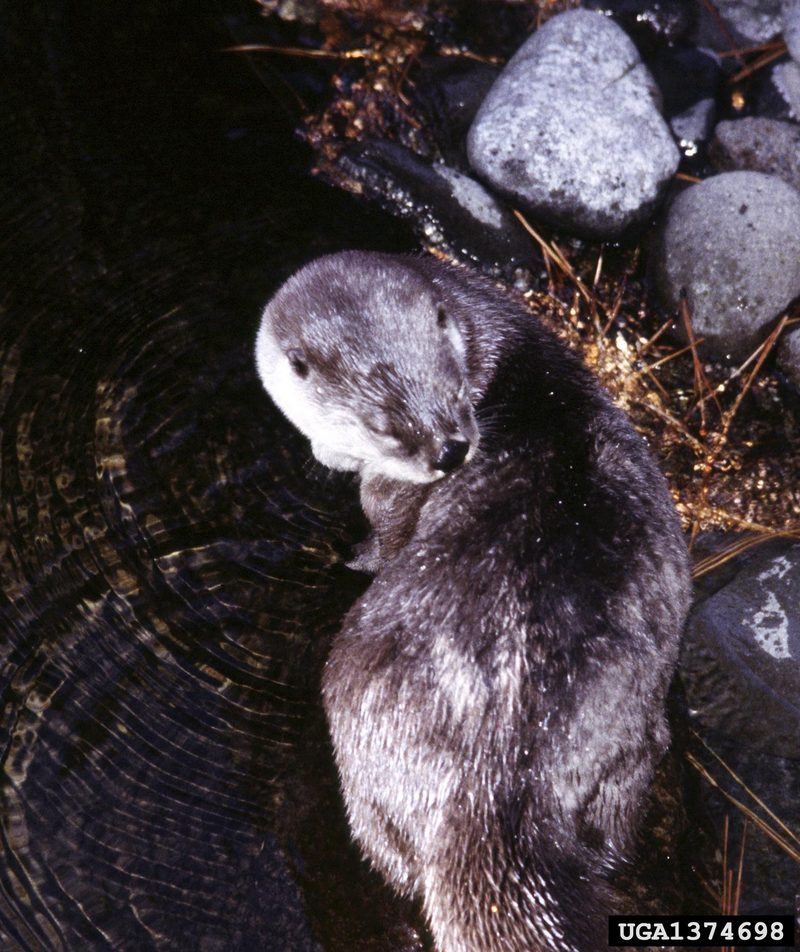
(775, 932)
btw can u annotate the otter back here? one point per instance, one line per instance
(496, 697)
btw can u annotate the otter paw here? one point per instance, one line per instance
(367, 556)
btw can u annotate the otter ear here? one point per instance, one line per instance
(298, 361)
(442, 319)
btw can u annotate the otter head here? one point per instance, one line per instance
(361, 353)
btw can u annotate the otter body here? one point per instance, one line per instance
(496, 696)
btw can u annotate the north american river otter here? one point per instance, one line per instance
(496, 696)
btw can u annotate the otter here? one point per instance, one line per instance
(392, 400)
(496, 697)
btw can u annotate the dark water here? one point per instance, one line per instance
(167, 549)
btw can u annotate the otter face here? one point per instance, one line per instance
(362, 355)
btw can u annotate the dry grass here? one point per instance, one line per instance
(712, 562)
(727, 466)
(769, 52)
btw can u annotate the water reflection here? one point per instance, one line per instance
(168, 552)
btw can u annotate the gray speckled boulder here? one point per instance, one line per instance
(759, 145)
(570, 129)
(733, 242)
(757, 20)
(741, 654)
(789, 356)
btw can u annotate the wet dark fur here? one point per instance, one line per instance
(496, 697)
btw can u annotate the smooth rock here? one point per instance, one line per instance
(740, 660)
(791, 27)
(570, 129)
(447, 209)
(789, 357)
(758, 145)
(757, 20)
(733, 242)
(786, 79)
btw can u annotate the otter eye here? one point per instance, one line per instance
(298, 362)
(441, 317)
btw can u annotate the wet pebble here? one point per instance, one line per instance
(759, 145)
(571, 129)
(693, 126)
(741, 654)
(733, 242)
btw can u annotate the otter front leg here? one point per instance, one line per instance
(392, 508)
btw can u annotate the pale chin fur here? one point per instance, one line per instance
(335, 459)
(373, 462)
(374, 466)
(400, 471)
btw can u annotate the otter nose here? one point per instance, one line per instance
(452, 454)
